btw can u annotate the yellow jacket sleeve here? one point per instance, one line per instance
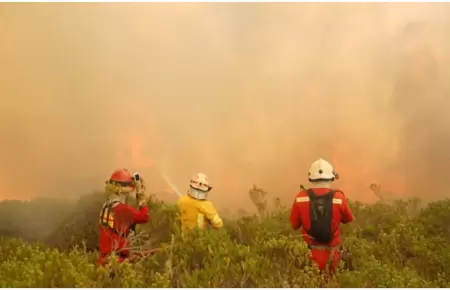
(208, 209)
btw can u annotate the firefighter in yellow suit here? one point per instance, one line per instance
(195, 210)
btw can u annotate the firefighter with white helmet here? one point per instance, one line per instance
(195, 210)
(117, 218)
(319, 211)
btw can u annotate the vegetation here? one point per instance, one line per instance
(400, 244)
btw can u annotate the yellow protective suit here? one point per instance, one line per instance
(196, 213)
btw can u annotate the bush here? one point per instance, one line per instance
(396, 245)
(32, 220)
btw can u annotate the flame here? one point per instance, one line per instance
(138, 158)
(136, 150)
(134, 145)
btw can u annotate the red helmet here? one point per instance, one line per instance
(122, 177)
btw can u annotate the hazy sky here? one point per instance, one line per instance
(246, 93)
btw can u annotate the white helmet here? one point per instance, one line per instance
(322, 170)
(199, 186)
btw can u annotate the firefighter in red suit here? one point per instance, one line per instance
(319, 211)
(117, 218)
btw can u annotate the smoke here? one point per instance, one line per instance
(246, 93)
(420, 98)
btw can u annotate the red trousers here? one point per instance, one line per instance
(322, 258)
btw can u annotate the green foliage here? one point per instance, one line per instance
(399, 244)
(32, 220)
(79, 227)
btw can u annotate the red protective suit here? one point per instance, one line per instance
(300, 217)
(116, 221)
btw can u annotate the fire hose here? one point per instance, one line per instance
(141, 254)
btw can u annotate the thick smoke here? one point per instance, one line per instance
(247, 93)
(421, 101)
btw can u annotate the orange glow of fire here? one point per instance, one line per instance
(357, 173)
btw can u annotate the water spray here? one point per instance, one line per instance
(167, 180)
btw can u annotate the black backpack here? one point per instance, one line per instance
(321, 213)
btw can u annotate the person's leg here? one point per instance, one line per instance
(320, 257)
(323, 259)
(334, 261)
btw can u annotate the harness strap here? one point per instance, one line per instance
(326, 248)
(323, 247)
(104, 221)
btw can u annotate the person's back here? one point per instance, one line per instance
(340, 213)
(116, 220)
(319, 211)
(196, 213)
(195, 210)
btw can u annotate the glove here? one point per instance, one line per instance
(139, 185)
(141, 199)
(140, 191)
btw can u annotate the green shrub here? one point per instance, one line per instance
(32, 220)
(390, 245)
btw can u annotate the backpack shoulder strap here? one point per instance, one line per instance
(313, 197)
(111, 204)
(107, 208)
(331, 193)
(311, 194)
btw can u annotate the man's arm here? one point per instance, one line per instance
(295, 218)
(141, 215)
(347, 215)
(211, 215)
